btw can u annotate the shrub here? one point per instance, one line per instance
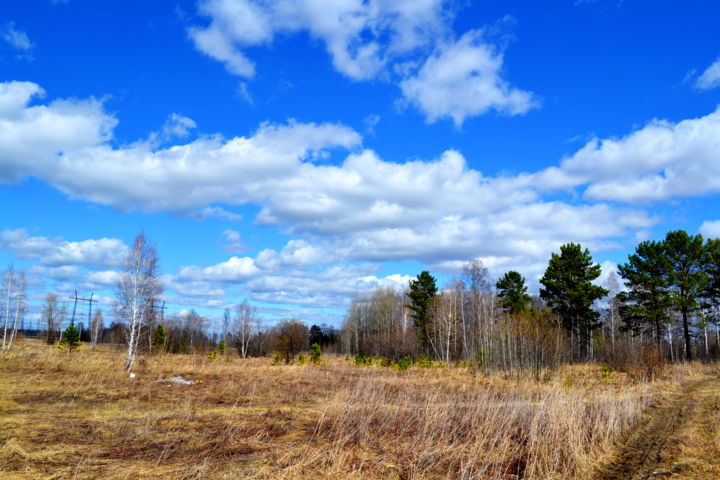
(403, 363)
(361, 360)
(302, 359)
(212, 355)
(424, 361)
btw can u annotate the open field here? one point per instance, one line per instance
(80, 416)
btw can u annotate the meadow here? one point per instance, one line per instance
(79, 415)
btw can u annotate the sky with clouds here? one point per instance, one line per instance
(298, 152)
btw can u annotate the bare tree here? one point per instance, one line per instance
(612, 284)
(19, 309)
(95, 326)
(245, 324)
(8, 293)
(54, 315)
(137, 287)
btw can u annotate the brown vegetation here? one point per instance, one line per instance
(81, 416)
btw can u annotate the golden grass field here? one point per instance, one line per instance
(79, 415)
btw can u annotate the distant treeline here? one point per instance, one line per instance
(666, 308)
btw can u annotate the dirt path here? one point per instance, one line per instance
(680, 438)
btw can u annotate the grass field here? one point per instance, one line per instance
(80, 416)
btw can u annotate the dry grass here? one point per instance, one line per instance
(80, 416)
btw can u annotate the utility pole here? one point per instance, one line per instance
(159, 307)
(79, 299)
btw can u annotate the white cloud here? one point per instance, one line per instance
(361, 209)
(233, 243)
(657, 162)
(178, 126)
(710, 78)
(361, 37)
(333, 287)
(16, 38)
(233, 270)
(64, 145)
(463, 79)
(243, 93)
(106, 278)
(214, 212)
(386, 39)
(103, 252)
(32, 137)
(710, 229)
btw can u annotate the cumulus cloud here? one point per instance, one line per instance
(103, 252)
(387, 39)
(710, 78)
(32, 137)
(360, 37)
(710, 228)
(463, 79)
(655, 163)
(233, 270)
(363, 208)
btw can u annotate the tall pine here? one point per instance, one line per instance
(422, 292)
(645, 305)
(512, 293)
(686, 256)
(570, 293)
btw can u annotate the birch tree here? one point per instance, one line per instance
(19, 309)
(95, 326)
(8, 293)
(137, 286)
(245, 325)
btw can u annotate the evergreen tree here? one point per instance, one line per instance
(315, 354)
(423, 290)
(647, 275)
(712, 270)
(71, 337)
(686, 255)
(512, 293)
(569, 292)
(317, 336)
(159, 338)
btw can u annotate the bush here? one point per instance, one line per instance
(361, 360)
(302, 359)
(403, 363)
(424, 361)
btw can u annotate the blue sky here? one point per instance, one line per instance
(297, 152)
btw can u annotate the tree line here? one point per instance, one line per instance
(670, 286)
(667, 295)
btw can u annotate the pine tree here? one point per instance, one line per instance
(646, 302)
(569, 292)
(71, 337)
(159, 338)
(512, 293)
(686, 255)
(423, 291)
